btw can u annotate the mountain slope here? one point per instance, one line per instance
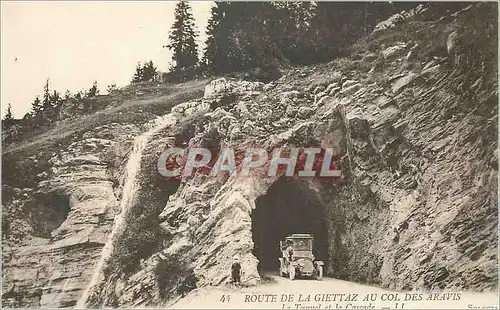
(413, 125)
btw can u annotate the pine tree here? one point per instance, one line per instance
(149, 72)
(47, 110)
(8, 119)
(144, 73)
(36, 115)
(46, 102)
(227, 41)
(112, 88)
(290, 30)
(242, 36)
(56, 101)
(36, 107)
(67, 94)
(249, 35)
(182, 39)
(336, 25)
(55, 98)
(93, 91)
(212, 44)
(139, 74)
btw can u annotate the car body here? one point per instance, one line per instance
(302, 263)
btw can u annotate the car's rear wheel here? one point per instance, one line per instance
(319, 276)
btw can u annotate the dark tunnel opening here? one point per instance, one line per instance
(288, 207)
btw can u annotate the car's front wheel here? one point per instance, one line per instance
(319, 276)
(291, 273)
(280, 272)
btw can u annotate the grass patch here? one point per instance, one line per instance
(20, 171)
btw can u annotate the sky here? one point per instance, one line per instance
(74, 43)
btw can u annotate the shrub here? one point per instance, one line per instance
(189, 126)
(265, 73)
(173, 277)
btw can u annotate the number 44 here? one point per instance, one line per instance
(225, 298)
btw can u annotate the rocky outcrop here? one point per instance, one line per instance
(399, 18)
(68, 216)
(389, 220)
(414, 208)
(418, 178)
(394, 239)
(62, 188)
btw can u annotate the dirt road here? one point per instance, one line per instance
(281, 293)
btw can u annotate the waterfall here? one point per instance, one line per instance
(128, 195)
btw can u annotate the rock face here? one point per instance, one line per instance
(399, 18)
(417, 181)
(70, 213)
(414, 208)
(61, 191)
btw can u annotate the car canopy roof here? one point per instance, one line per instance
(300, 236)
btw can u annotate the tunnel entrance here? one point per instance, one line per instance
(288, 207)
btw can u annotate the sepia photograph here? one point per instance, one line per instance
(244, 155)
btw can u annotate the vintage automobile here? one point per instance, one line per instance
(301, 263)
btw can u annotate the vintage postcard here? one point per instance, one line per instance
(233, 155)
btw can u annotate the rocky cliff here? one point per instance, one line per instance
(61, 192)
(413, 124)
